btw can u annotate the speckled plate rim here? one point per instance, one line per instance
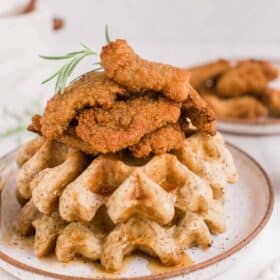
(179, 272)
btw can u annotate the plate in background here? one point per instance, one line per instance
(259, 127)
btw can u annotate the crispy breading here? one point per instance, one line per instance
(69, 138)
(125, 123)
(92, 89)
(201, 74)
(271, 98)
(242, 107)
(125, 67)
(162, 140)
(248, 76)
(198, 111)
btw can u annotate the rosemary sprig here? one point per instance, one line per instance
(20, 120)
(66, 70)
(74, 58)
(12, 131)
(107, 36)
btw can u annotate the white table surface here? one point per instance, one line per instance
(175, 32)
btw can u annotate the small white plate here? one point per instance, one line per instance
(248, 206)
(258, 127)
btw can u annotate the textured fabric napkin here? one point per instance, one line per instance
(272, 272)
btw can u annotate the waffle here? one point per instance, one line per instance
(106, 207)
(209, 158)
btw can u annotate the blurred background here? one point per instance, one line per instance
(181, 32)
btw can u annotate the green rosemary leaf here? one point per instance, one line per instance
(11, 114)
(59, 81)
(50, 78)
(12, 131)
(75, 57)
(97, 69)
(87, 48)
(96, 63)
(107, 36)
(66, 70)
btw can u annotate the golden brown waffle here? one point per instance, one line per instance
(106, 208)
(209, 158)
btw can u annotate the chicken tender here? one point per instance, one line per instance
(271, 98)
(201, 74)
(92, 89)
(69, 138)
(199, 112)
(249, 76)
(162, 140)
(243, 107)
(125, 123)
(125, 67)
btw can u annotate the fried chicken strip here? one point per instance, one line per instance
(249, 76)
(198, 111)
(201, 74)
(242, 107)
(125, 123)
(91, 89)
(125, 67)
(271, 99)
(69, 138)
(160, 141)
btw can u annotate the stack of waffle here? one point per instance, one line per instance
(106, 207)
(109, 176)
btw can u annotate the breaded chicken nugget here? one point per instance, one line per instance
(201, 74)
(242, 107)
(125, 123)
(249, 76)
(125, 67)
(271, 99)
(69, 137)
(198, 111)
(162, 140)
(91, 89)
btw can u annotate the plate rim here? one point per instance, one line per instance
(183, 271)
(246, 134)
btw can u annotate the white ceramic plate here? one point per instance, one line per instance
(248, 207)
(259, 127)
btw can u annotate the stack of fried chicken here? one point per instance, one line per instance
(127, 159)
(240, 90)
